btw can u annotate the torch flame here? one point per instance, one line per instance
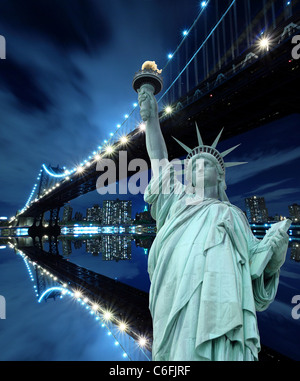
(151, 65)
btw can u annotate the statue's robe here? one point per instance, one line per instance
(207, 273)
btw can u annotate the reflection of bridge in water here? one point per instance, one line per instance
(122, 305)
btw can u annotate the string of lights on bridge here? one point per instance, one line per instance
(110, 145)
(107, 148)
(104, 316)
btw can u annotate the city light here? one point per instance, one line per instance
(77, 294)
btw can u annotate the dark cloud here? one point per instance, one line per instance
(20, 80)
(68, 24)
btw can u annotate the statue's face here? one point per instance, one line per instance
(204, 172)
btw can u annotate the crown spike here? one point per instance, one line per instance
(225, 153)
(186, 148)
(200, 141)
(233, 164)
(217, 139)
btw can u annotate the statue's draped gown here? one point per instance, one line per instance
(207, 278)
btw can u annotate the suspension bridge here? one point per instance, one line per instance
(233, 68)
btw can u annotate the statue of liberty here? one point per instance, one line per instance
(209, 274)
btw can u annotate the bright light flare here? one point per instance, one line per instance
(124, 139)
(142, 126)
(168, 110)
(123, 327)
(142, 341)
(109, 149)
(107, 315)
(264, 43)
(79, 169)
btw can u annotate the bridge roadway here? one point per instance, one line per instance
(126, 303)
(264, 90)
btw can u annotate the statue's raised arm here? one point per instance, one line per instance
(155, 142)
(148, 82)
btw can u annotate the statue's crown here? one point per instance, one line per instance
(210, 150)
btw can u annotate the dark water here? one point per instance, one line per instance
(62, 329)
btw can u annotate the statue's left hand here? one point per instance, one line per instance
(279, 243)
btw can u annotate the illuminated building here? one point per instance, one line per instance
(256, 209)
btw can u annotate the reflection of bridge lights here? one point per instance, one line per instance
(142, 341)
(77, 294)
(122, 327)
(107, 315)
(95, 306)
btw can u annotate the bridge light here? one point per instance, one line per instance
(118, 125)
(264, 43)
(79, 169)
(95, 306)
(97, 157)
(109, 149)
(170, 56)
(126, 116)
(142, 126)
(135, 104)
(124, 139)
(185, 32)
(203, 4)
(77, 294)
(168, 110)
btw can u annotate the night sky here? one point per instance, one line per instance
(66, 84)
